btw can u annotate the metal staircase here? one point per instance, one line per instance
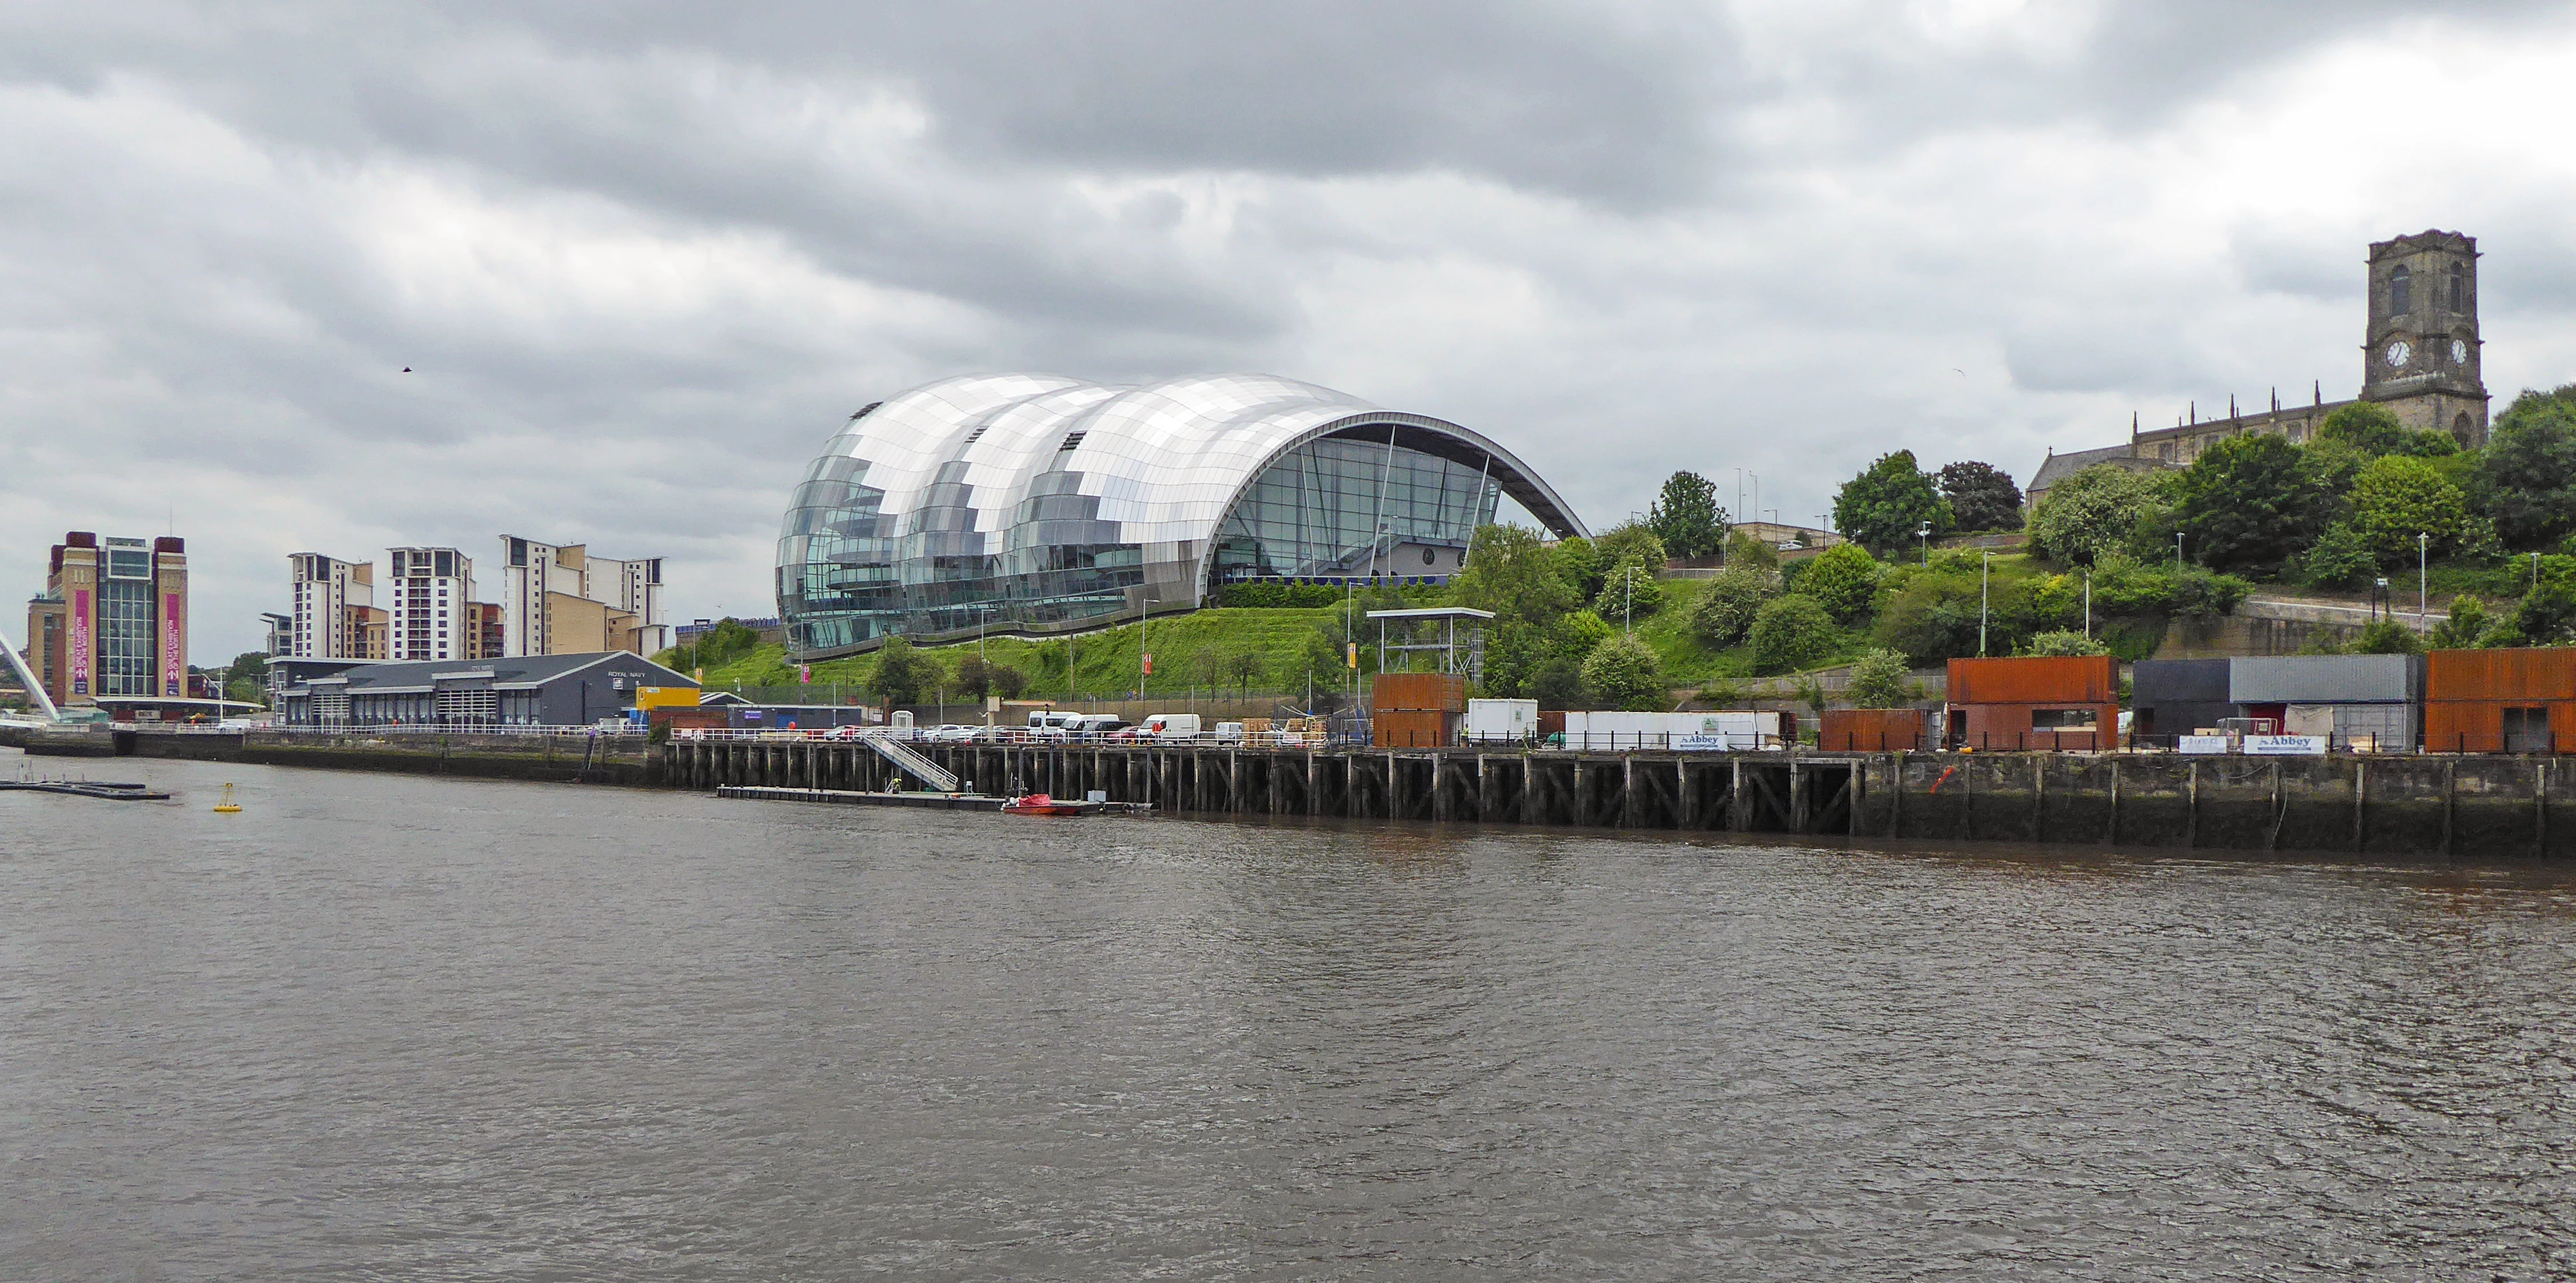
(912, 763)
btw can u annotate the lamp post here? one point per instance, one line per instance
(2088, 603)
(1985, 574)
(2535, 572)
(2177, 550)
(1923, 531)
(2423, 597)
(1628, 600)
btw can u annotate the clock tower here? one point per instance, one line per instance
(2421, 356)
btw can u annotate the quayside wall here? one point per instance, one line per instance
(551, 758)
(2416, 806)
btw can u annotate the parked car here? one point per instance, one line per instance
(1229, 733)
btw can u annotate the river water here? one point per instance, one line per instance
(401, 1028)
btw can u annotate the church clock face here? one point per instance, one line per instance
(2459, 352)
(2397, 353)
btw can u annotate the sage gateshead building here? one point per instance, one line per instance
(1038, 504)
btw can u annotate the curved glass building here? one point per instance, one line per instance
(1035, 503)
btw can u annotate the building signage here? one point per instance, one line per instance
(2200, 743)
(2287, 745)
(80, 643)
(804, 674)
(174, 645)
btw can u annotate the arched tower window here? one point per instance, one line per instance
(2401, 291)
(2464, 427)
(2459, 287)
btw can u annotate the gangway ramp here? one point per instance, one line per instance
(911, 763)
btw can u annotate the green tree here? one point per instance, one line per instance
(1556, 679)
(2461, 629)
(1630, 591)
(1791, 632)
(2093, 511)
(1843, 579)
(1686, 516)
(1882, 506)
(2342, 558)
(2249, 501)
(1581, 563)
(1630, 541)
(1981, 496)
(1879, 679)
(1723, 616)
(2547, 614)
(2062, 642)
(2528, 470)
(1743, 549)
(2368, 427)
(1245, 665)
(902, 674)
(2397, 497)
(1512, 574)
(1621, 672)
(2386, 637)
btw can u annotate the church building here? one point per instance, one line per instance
(2419, 357)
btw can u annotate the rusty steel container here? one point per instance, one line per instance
(2539, 676)
(1410, 728)
(2036, 679)
(1551, 721)
(1419, 693)
(1874, 730)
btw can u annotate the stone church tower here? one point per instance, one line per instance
(2420, 357)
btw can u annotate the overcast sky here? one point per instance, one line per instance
(643, 259)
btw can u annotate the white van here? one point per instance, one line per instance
(1053, 724)
(1170, 726)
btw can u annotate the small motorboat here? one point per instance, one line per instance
(1041, 804)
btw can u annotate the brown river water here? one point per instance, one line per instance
(384, 1027)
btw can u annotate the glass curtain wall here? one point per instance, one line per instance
(1339, 505)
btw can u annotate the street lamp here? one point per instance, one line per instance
(1923, 531)
(2088, 602)
(2177, 550)
(2423, 598)
(1985, 573)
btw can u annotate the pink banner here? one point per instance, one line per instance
(174, 645)
(79, 646)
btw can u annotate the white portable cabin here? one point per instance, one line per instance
(1490, 720)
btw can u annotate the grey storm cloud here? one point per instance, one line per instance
(643, 258)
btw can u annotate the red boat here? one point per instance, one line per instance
(1041, 804)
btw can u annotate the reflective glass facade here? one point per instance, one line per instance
(1032, 501)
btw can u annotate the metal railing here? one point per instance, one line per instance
(381, 731)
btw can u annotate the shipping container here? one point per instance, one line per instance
(1875, 730)
(2499, 726)
(2325, 679)
(1733, 730)
(2173, 697)
(2539, 676)
(2036, 679)
(2375, 728)
(1501, 720)
(1419, 692)
(2018, 727)
(1551, 721)
(1413, 728)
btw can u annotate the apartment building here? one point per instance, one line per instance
(431, 595)
(334, 609)
(557, 599)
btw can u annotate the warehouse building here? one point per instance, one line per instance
(2364, 702)
(2034, 702)
(2172, 697)
(524, 690)
(2500, 701)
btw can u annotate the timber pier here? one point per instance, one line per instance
(2410, 805)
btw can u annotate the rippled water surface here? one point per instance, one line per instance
(385, 1027)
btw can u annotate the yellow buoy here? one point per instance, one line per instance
(228, 806)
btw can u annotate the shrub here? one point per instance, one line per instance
(1621, 672)
(1742, 549)
(1843, 579)
(1790, 632)
(1276, 596)
(2386, 637)
(2342, 558)
(1630, 591)
(2461, 629)
(1723, 616)
(1879, 679)
(2063, 642)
